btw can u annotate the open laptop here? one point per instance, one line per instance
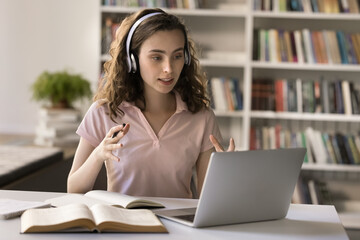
(244, 186)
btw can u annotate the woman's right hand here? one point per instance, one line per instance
(110, 143)
(219, 147)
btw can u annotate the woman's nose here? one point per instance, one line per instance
(167, 67)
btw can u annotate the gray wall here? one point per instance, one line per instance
(38, 35)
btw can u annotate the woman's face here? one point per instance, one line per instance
(161, 60)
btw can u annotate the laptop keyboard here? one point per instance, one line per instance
(189, 218)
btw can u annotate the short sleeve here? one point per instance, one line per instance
(211, 127)
(92, 127)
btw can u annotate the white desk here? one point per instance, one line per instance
(301, 222)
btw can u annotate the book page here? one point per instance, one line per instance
(123, 200)
(12, 208)
(134, 220)
(54, 219)
(75, 198)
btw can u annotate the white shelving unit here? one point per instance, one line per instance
(343, 180)
(224, 34)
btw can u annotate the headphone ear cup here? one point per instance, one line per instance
(187, 56)
(186, 60)
(134, 67)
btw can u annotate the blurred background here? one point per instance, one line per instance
(41, 35)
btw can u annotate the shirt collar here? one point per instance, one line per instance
(180, 104)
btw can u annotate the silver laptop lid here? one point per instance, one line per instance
(248, 186)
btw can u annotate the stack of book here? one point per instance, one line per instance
(57, 127)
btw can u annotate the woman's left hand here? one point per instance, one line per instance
(220, 148)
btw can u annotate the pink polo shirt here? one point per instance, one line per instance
(150, 165)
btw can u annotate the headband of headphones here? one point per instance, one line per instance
(131, 59)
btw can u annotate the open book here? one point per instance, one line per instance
(104, 197)
(99, 217)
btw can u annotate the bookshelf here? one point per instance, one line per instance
(342, 180)
(226, 45)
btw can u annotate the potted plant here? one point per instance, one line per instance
(61, 88)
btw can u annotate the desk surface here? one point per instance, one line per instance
(302, 222)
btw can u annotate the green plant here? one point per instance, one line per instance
(60, 88)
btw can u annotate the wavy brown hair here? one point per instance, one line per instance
(118, 85)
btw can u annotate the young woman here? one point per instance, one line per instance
(150, 122)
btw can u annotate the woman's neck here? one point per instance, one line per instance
(159, 103)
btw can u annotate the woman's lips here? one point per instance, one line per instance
(166, 81)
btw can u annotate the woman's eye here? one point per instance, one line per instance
(156, 58)
(179, 56)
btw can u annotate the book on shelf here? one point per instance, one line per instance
(99, 217)
(256, 47)
(351, 52)
(262, 94)
(279, 98)
(274, 50)
(339, 100)
(317, 147)
(346, 97)
(355, 98)
(356, 43)
(299, 99)
(353, 6)
(309, 50)
(226, 94)
(325, 95)
(263, 5)
(317, 97)
(104, 197)
(283, 48)
(322, 147)
(301, 193)
(218, 94)
(326, 139)
(311, 191)
(298, 47)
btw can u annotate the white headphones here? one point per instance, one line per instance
(131, 59)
